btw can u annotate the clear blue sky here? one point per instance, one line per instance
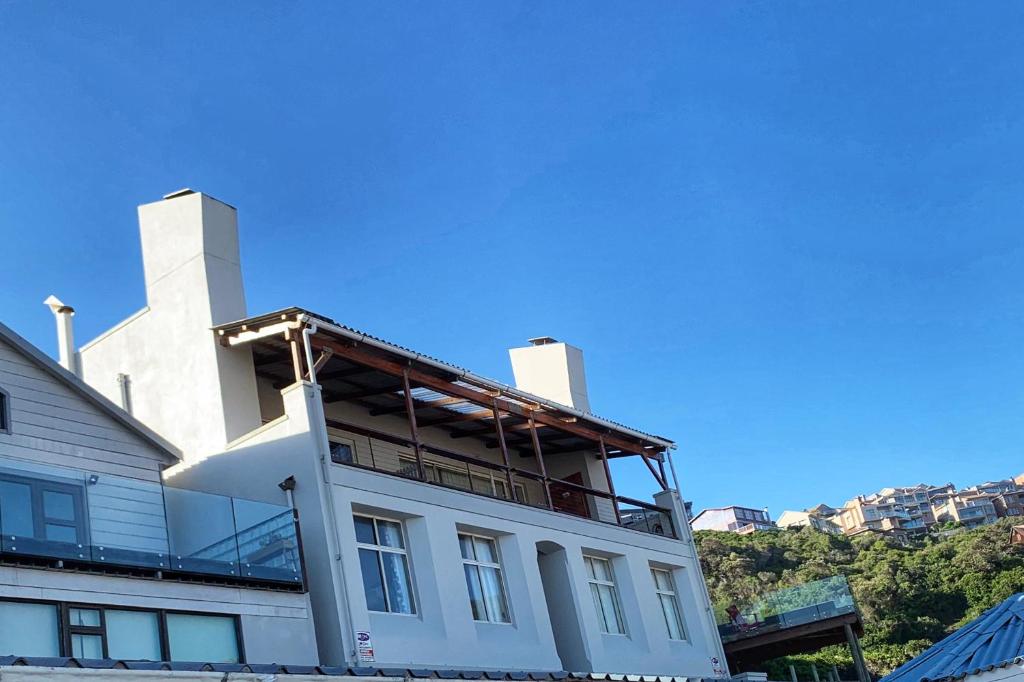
(787, 235)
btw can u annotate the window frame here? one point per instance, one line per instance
(672, 594)
(497, 566)
(65, 629)
(402, 551)
(5, 411)
(345, 442)
(38, 487)
(616, 599)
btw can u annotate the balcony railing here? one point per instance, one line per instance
(101, 519)
(394, 455)
(785, 608)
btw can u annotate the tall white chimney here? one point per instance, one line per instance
(553, 370)
(65, 333)
(164, 363)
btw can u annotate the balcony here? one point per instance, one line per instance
(88, 520)
(815, 601)
(390, 454)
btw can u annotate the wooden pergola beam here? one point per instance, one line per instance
(476, 415)
(477, 396)
(417, 404)
(364, 393)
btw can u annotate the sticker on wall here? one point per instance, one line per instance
(717, 669)
(364, 647)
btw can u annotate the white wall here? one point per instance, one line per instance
(184, 385)
(443, 634)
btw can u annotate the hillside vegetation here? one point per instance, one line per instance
(909, 597)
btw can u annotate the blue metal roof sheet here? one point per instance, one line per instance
(992, 640)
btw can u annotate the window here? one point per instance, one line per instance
(211, 639)
(29, 629)
(483, 579)
(666, 591)
(91, 631)
(134, 635)
(41, 509)
(5, 412)
(606, 596)
(341, 453)
(384, 564)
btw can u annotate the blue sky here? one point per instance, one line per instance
(787, 235)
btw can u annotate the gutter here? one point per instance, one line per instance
(468, 376)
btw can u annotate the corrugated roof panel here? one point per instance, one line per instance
(994, 639)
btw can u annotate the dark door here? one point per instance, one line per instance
(569, 500)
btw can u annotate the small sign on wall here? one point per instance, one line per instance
(364, 647)
(717, 669)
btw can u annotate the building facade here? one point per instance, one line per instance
(98, 559)
(448, 521)
(808, 519)
(733, 519)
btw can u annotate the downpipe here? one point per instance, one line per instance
(309, 329)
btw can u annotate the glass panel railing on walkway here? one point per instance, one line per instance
(98, 518)
(127, 526)
(785, 608)
(268, 544)
(201, 532)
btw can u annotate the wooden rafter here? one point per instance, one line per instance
(417, 404)
(475, 395)
(364, 392)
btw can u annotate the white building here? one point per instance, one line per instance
(448, 521)
(734, 519)
(99, 560)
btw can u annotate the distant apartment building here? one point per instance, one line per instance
(906, 512)
(1007, 495)
(875, 514)
(810, 518)
(734, 519)
(970, 510)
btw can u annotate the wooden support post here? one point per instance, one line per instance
(608, 475)
(858, 655)
(654, 472)
(500, 430)
(293, 343)
(413, 431)
(661, 468)
(540, 463)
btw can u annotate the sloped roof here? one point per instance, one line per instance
(335, 671)
(328, 324)
(47, 364)
(994, 639)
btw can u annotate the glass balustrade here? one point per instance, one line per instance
(788, 607)
(49, 513)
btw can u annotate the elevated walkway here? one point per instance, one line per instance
(794, 620)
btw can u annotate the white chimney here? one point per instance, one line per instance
(552, 370)
(65, 333)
